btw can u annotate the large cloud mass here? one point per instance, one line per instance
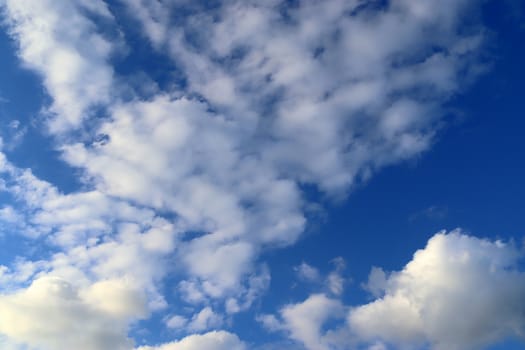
(207, 167)
(458, 293)
(53, 314)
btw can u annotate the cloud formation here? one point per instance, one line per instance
(459, 292)
(210, 171)
(304, 322)
(53, 314)
(229, 151)
(72, 63)
(218, 340)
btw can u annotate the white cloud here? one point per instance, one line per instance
(217, 340)
(355, 75)
(460, 292)
(377, 346)
(377, 282)
(204, 320)
(300, 105)
(307, 272)
(153, 16)
(369, 86)
(103, 279)
(58, 41)
(335, 283)
(176, 322)
(53, 314)
(321, 98)
(205, 183)
(335, 280)
(14, 134)
(256, 285)
(305, 322)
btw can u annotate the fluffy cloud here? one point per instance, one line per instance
(327, 76)
(335, 280)
(304, 322)
(209, 171)
(220, 340)
(323, 98)
(307, 272)
(53, 314)
(459, 292)
(206, 183)
(72, 63)
(205, 319)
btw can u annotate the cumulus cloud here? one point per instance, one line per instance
(53, 314)
(73, 63)
(229, 152)
(458, 293)
(176, 322)
(205, 319)
(305, 322)
(209, 171)
(377, 281)
(13, 134)
(307, 272)
(217, 340)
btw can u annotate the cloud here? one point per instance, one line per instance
(229, 152)
(103, 276)
(335, 280)
(73, 63)
(9, 215)
(176, 322)
(377, 282)
(431, 213)
(304, 322)
(205, 183)
(209, 171)
(205, 319)
(153, 17)
(13, 135)
(53, 314)
(459, 292)
(307, 272)
(217, 340)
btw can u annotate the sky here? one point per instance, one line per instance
(262, 175)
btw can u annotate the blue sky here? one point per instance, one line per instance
(315, 175)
